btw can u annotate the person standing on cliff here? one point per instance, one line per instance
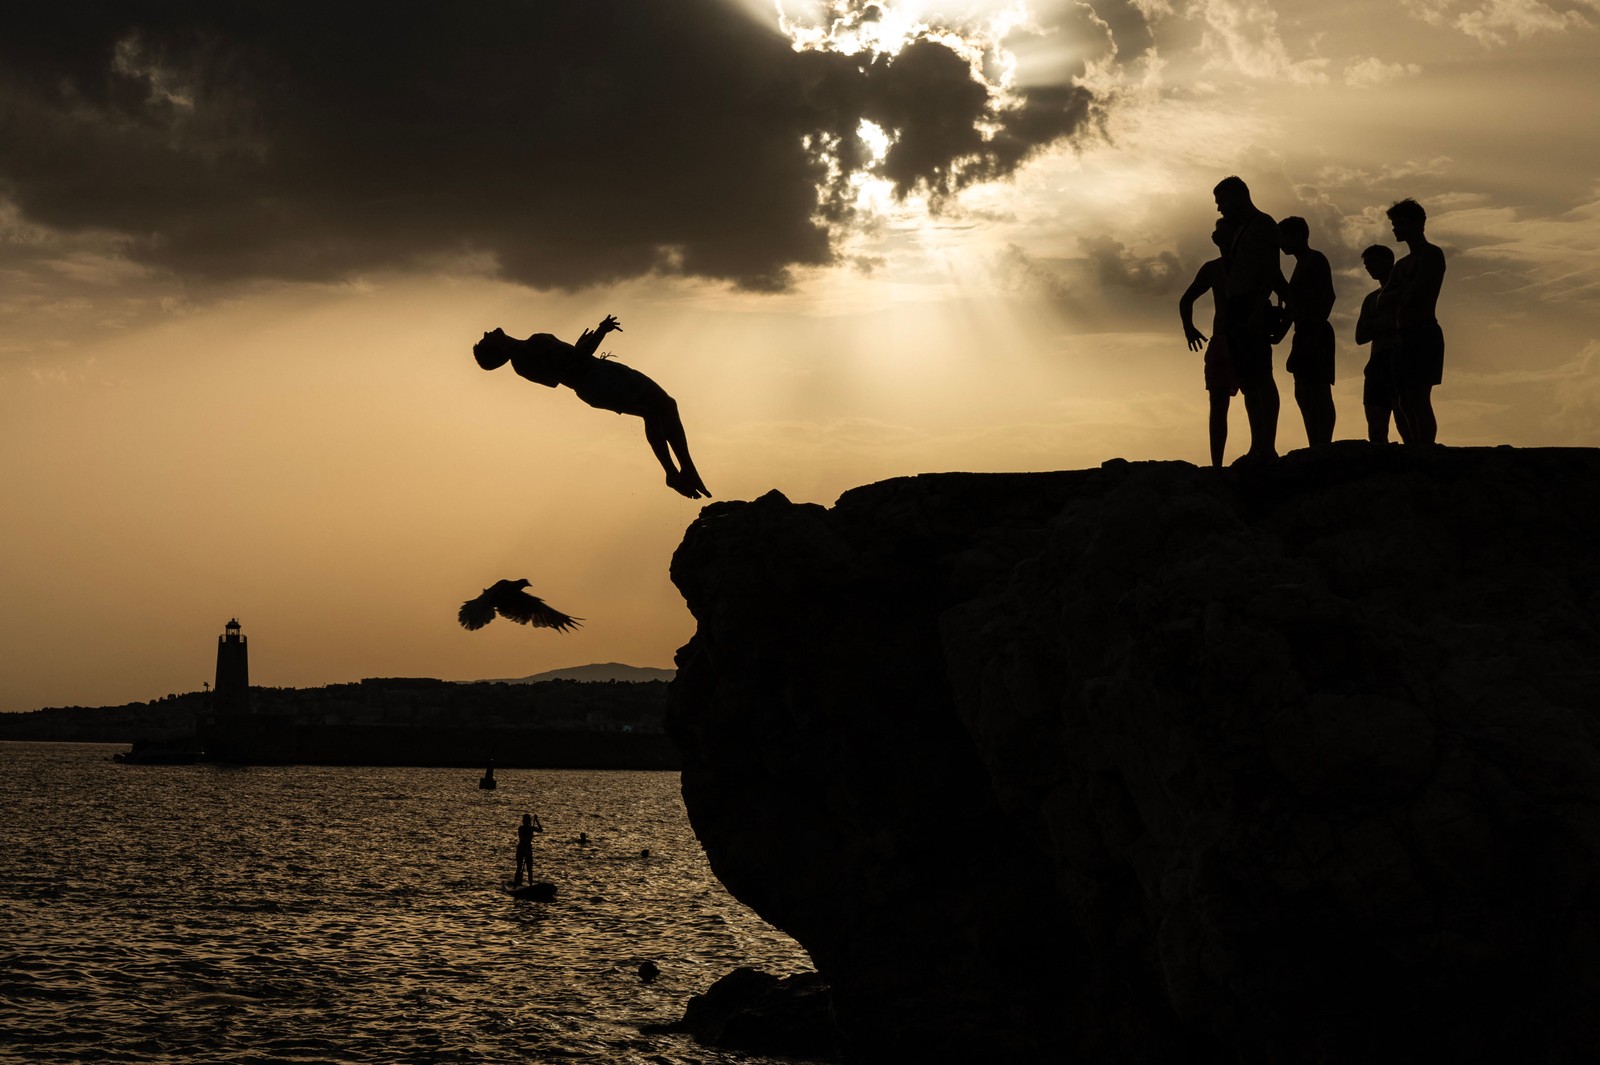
(1419, 342)
(530, 825)
(1376, 326)
(1311, 352)
(1221, 385)
(1253, 275)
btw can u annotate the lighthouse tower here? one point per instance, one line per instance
(232, 690)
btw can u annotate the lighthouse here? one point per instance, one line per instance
(232, 690)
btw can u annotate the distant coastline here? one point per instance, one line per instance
(529, 722)
(596, 671)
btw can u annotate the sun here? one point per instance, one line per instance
(873, 29)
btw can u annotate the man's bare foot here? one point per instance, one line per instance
(679, 484)
(1254, 458)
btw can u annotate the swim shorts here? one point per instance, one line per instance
(1311, 353)
(1219, 368)
(613, 386)
(1377, 389)
(1419, 356)
(1249, 348)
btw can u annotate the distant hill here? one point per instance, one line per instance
(598, 671)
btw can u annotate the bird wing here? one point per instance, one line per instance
(528, 609)
(476, 613)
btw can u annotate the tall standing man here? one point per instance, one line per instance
(1419, 342)
(1253, 275)
(1310, 360)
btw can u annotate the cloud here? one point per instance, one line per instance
(1545, 258)
(1371, 72)
(1566, 394)
(1246, 33)
(1501, 21)
(1115, 267)
(577, 142)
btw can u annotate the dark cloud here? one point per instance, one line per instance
(578, 141)
(1116, 267)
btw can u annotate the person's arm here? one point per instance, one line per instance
(1320, 303)
(1393, 298)
(1364, 324)
(1196, 289)
(589, 342)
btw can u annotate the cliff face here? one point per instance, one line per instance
(1158, 763)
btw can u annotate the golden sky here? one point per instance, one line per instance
(242, 266)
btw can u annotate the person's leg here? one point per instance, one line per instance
(1315, 399)
(1251, 353)
(1261, 405)
(1377, 398)
(658, 444)
(1377, 422)
(663, 421)
(1219, 424)
(1417, 402)
(1402, 424)
(680, 447)
(1305, 399)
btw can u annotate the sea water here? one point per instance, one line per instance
(206, 913)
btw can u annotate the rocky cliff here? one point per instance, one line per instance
(1163, 764)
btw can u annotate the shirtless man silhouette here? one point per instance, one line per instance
(1376, 326)
(1252, 276)
(601, 383)
(1311, 352)
(1221, 384)
(1419, 342)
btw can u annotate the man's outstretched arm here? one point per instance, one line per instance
(1201, 283)
(589, 343)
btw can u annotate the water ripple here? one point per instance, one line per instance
(313, 914)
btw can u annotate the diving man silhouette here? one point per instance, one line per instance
(601, 383)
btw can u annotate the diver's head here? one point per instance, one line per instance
(494, 350)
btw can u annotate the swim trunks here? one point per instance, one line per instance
(1249, 348)
(1219, 368)
(615, 387)
(1311, 353)
(1377, 388)
(1419, 356)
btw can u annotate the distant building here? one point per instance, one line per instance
(231, 693)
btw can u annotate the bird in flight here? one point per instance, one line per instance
(509, 600)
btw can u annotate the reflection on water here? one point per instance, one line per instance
(311, 914)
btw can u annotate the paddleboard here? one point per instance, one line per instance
(538, 892)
